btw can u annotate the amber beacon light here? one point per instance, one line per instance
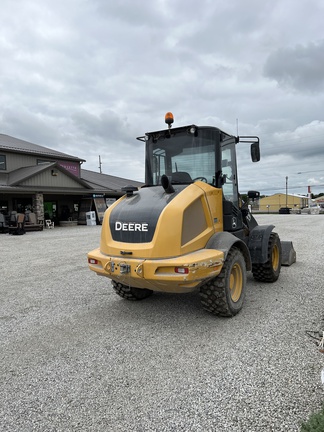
(169, 119)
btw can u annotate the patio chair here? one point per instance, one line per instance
(19, 229)
(4, 226)
(13, 218)
(49, 223)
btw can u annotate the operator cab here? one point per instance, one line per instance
(183, 155)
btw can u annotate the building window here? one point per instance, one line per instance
(3, 165)
(43, 161)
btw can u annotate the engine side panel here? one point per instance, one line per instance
(154, 224)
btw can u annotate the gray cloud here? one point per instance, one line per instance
(300, 68)
(106, 125)
(88, 77)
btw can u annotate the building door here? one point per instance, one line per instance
(50, 210)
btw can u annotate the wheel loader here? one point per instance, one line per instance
(187, 228)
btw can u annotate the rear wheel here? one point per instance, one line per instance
(131, 293)
(269, 271)
(224, 295)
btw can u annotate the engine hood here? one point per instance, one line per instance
(134, 218)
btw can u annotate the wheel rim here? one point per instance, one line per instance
(275, 257)
(236, 282)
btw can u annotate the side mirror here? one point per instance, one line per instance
(255, 152)
(253, 195)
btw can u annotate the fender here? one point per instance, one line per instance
(258, 243)
(223, 241)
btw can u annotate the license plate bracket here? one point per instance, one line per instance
(124, 268)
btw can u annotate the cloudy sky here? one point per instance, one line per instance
(87, 77)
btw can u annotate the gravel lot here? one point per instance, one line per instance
(76, 357)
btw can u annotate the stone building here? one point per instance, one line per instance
(52, 184)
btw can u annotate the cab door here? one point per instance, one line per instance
(229, 171)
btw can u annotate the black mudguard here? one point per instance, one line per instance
(223, 241)
(258, 243)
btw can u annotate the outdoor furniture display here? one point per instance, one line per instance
(31, 222)
(18, 228)
(4, 226)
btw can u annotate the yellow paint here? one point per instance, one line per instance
(160, 275)
(152, 264)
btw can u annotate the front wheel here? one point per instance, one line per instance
(269, 271)
(131, 293)
(224, 294)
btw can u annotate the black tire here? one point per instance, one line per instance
(131, 293)
(270, 271)
(224, 294)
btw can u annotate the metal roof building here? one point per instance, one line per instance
(51, 183)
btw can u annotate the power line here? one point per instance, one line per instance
(305, 172)
(290, 187)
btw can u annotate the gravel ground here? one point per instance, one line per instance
(76, 357)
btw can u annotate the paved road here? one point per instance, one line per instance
(76, 357)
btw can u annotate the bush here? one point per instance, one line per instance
(315, 423)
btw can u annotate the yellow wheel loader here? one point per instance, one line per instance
(187, 228)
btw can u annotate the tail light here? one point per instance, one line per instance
(181, 270)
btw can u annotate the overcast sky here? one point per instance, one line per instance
(87, 77)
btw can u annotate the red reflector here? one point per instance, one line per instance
(181, 270)
(92, 261)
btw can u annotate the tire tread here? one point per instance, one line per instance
(264, 272)
(213, 293)
(130, 293)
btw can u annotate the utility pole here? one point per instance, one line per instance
(100, 163)
(286, 191)
(309, 194)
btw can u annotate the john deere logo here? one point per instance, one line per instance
(131, 226)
